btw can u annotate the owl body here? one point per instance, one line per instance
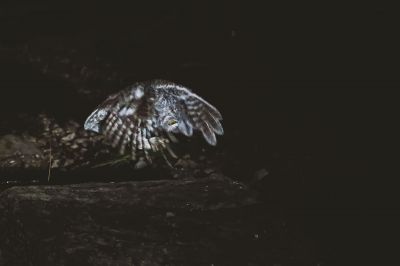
(145, 116)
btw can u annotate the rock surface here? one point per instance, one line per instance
(168, 222)
(16, 151)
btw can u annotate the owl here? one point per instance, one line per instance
(143, 118)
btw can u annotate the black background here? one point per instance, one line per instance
(307, 91)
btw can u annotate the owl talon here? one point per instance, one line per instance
(172, 138)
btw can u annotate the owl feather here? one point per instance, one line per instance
(145, 116)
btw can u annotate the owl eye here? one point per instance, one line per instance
(172, 122)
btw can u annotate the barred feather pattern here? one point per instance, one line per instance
(144, 117)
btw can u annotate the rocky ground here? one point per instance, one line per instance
(52, 149)
(207, 221)
(116, 214)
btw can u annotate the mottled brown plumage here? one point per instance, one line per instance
(144, 116)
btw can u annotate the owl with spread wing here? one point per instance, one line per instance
(143, 118)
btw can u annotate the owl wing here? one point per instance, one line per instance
(126, 119)
(196, 113)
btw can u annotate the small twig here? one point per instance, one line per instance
(50, 157)
(122, 159)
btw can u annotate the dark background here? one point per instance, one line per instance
(307, 92)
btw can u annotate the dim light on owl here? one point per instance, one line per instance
(144, 117)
